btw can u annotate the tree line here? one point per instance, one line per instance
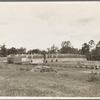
(90, 49)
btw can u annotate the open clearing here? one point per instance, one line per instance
(18, 80)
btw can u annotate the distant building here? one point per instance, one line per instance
(39, 58)
(64, 57)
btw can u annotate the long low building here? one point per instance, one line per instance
(39, 58)
(25, 58)
(64, 57)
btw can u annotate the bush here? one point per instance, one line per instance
(92, 67)
(10, 61)
(92, 77)
(62, 74)
(24, 69)
(21, 69)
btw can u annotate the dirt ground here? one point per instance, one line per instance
(18, 80)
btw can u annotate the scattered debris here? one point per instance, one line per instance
(42, 69)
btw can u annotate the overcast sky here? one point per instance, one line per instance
(42, 24)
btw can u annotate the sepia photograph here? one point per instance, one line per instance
(50, 49)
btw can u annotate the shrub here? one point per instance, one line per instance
(62, 74)
(24, 69)
(27, 69)
(92, 77)
(92, 67)
(21, 69)
(56, 60)
(10, 61)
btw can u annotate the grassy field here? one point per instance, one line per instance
(18, 80)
